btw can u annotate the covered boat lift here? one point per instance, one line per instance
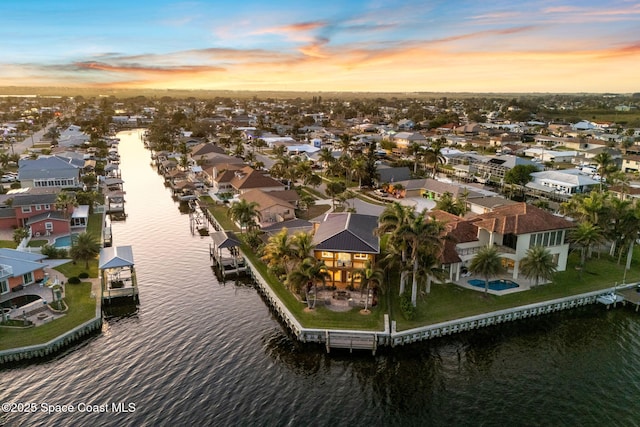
(117, 274)
(225, 253)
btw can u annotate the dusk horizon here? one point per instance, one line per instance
(417, 47)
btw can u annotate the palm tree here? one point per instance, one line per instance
(606, 165)
(433, 154)
(416, 151)
(84, 247)
(307, 275)
(487, 263)
(304, 171)
(326, 158)
(392, 221)
(245, 214)
(64, 200)
(424, 236)
(368, 275)
(585, 235)
(301, 245)
(278, 251)
(538, 263)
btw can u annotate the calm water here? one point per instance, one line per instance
(198, 352)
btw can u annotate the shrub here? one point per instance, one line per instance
(408, 310)
(83, 275)
(53, 252)
(73, 280)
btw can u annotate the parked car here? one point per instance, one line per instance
(8, 178)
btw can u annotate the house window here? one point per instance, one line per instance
(38, 207)
(47, 207)
(4, 287)
(48, 226)
(361, 256)
(27, 278)
(26, 209)
(327, 254)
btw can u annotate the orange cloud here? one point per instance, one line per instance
(181, 69)
(300, 27)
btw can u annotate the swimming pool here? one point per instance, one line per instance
(63, 241)
(494, 285)
(20, 301)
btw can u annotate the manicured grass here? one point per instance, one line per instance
(73, 270)
(321, 317)
(94, 226)
(37, 243)
(8, 244)
(314, 192)
(449, 301)
(221, 213)
(313, 211)
(81, 309)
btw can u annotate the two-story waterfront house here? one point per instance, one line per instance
(345, 242)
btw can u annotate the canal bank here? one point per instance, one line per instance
(354, 339)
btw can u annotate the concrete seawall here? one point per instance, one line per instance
(389, 337)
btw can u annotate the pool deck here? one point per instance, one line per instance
(524, 284)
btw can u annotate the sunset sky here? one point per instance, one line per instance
(346, 45)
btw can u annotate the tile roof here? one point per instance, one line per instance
(347, 232)
(265, 199)
(250, 178)
(520, 218)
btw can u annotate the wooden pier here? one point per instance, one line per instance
(631, 295)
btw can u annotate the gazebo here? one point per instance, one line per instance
(117, 273)
(225, 253)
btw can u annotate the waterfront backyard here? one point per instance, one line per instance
(447, 301)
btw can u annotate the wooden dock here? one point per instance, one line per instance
(631, 295)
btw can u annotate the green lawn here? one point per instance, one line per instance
(81, 309)
(221, 213)
(321, 317)
(449, 301)
(313, 211)
(37, 243)
(8, 244)
(314, 192)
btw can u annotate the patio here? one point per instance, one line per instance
(340, 300)
(38, 312)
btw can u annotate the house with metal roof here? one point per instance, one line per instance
(50, 172)
(345, 242)
(19, 269)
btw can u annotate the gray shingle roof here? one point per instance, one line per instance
(347, 232)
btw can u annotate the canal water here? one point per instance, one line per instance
(200, 352)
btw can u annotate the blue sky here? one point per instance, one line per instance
(497, 46)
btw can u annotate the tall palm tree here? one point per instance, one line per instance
(538, 263)
(487, 263)
(64, 202)
(433, 154)
(369, 275)
(307, 275)
(84, 247)
(301, 245)
(392, 221)
(585, 235)
(326, 158)
(304, 171)
(424, 236)
(278, 252)
(245, 214)
(415, 150)
(606, 165)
